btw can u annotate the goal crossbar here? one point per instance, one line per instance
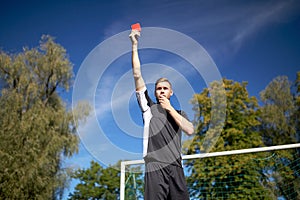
(203, 155)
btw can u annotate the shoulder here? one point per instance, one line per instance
(142, 95)
(142, 92)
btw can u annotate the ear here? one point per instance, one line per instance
(171, 92)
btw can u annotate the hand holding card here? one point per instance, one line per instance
(136, 26)
(135, 33)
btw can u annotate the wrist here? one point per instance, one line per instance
(170, 109)
(134, 46)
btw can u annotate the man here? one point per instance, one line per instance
(164, 177)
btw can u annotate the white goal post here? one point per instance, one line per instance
(203, 155)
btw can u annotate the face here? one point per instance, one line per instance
(163, 89)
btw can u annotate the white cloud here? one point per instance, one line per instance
(224, 25)
(258, 17)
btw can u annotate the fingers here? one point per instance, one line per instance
(135, 34)
(161, 100)
(164, 101)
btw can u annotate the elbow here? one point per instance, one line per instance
(190, 129)
(137, 75)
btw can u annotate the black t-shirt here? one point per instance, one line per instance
(162, 134)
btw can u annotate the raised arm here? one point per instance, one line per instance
(136, 65)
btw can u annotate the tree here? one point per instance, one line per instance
(279, 123)
(36, 129)
(297, 103)
(98, 182)
(134, 184)
(234, 177)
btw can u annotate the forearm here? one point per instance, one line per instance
(182, 122)
(136, 68)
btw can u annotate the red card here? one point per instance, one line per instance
(136, 26)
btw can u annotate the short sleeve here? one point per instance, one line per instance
(143, 99)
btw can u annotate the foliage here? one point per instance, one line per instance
(227, 177)
(36, 130)
(97, 182)
(134, 185)
(279, 126)
(297, 103)
(247, 125)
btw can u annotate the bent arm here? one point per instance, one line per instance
(136, 65)
(182, 122)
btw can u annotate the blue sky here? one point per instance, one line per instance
(252, 41)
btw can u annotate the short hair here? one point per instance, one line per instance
(163, 80)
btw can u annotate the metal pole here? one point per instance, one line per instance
(122, 182)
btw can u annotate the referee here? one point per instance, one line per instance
(163, 126)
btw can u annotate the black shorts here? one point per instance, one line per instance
(165, 182)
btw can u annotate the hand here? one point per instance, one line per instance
(134, 36)
(165, 103)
